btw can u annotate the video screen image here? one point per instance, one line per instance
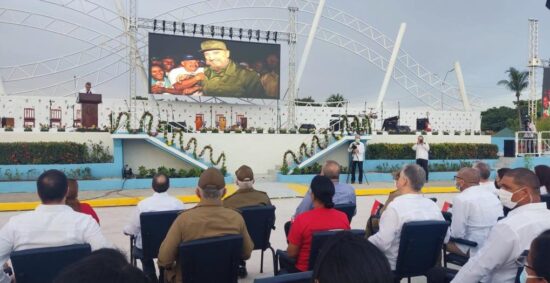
(194, 66)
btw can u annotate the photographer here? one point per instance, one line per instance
(357, 149)
(422, 154)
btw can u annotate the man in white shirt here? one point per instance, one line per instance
(422, 154)
(475, 211)
(159, 201)
(409, 206)
(357, 149)
(485, 173)
(188, 77)
(51, 224)
(496, 261)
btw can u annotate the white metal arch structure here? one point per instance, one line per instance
(407, 64)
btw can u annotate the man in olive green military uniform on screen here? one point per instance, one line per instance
(224, 77)
(208, 219)
(246, 195)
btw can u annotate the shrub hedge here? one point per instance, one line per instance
(51, 153)
(437, 151)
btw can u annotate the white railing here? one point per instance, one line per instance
(532, 143)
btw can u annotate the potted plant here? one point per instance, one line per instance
(238, 130)
(260, 130)
(8, 129)
(435, 133)
(203, 130)
(248, 130)
(457, 133)
(44, 127)
(282, 131)
(28, 129)
(227, 130)
(271, 130)
(445, 133)
(215, 130)
(292, 130)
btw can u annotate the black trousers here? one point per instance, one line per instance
(424, 164)
(360, 165)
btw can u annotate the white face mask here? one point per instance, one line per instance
(506, 198)
(357, 140)
(524, 276)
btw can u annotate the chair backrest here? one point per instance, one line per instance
(447, 215)
(55, 114)
(42, 265)
(259, 221)
(319, 239)
(211, 259)
(348, 209)
(28, 113)
(154, 227)
(420, 247)
(546, 199)
(300, 277)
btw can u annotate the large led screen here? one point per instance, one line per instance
(193, 66)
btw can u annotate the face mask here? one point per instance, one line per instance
(357, 140)
(524, 276)
(506, 198)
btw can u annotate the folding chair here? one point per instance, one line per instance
(42, 265)
(419, 248)
(260, 220)
(348, 209)
(211, 259)
(154, 227)
(300, 277)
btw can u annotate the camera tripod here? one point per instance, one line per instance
(350, 163)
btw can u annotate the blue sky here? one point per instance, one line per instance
(486, 37)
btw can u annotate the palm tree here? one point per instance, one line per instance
(517, 82)
(335, 98)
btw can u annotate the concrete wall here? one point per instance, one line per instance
(140, 153)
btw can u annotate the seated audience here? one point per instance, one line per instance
(208, 219)
(159, 201)
(374, 221)
(351, 259)
(51, 224)
(543, 173)
(105, 266)
(407, 207)
(75, 204)
(496, 260)
(500, 174)
(322, 217)
(485, 174)
(344, 193)
(246, 195)
(475, 211)
(537, 265)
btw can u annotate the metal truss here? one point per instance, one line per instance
(409, 64)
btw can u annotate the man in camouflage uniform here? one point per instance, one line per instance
(224, 77)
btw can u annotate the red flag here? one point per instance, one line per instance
(446, 206)
(376, 206)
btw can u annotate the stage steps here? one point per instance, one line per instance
(159, 143)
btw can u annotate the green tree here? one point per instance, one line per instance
(495, 119)
(517, 82)
(334, 98)
(305, 101)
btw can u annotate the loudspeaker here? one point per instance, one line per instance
(421, 124)
(509, 148)
(335, 125)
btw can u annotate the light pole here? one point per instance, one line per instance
(443, 82)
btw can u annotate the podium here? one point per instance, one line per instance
(89, 112)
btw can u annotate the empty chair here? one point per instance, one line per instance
(260, 220)
(42, 265)
(300, 277)
(211, 259)
(419, 248)
(348, 209)
(55, 117)
(28, 117)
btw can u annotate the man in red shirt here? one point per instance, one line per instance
(322, 217)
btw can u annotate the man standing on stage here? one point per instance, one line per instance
(357, 150)
(224, 77)
(88, 88)
(422, 154)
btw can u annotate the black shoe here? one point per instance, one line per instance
(242, 272)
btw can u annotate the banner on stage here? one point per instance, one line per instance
(194, 66)
(546, 93)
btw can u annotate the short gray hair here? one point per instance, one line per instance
(416, 176)
(211, 192)
(331, 169)
(484, 170)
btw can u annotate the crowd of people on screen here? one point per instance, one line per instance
(505, 218)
